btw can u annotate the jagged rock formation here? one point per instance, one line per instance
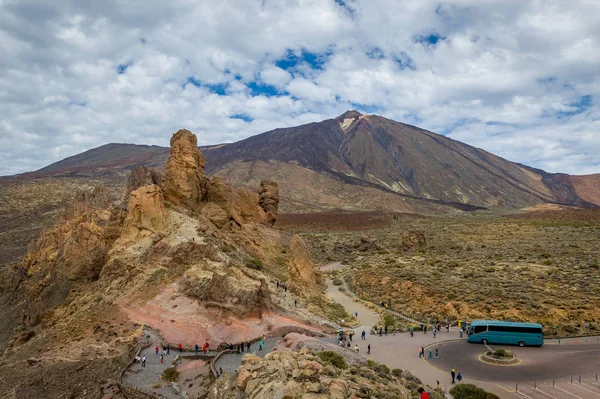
(413, 239)
(304, 277)
(269, 200)
(142, 176)
(302, 375)
(245, 204)
(147, 214)
(230, 292)
(185, 183)
(85, 201)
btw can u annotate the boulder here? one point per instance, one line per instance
(246, 204)
(413, 239)
(185, 184)
(217, 215)
(147, 214)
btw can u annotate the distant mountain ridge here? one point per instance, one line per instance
(359, 150)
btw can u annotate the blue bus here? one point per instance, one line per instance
(504, 332)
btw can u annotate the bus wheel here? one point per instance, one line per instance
(521, 344)
(484, 341)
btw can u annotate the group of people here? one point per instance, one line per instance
(422, 353)
(204, 348)
(346, 340)
(247, 345)
(282, 285)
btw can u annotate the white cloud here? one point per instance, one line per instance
(517, 78)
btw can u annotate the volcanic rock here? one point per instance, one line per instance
(413, 239)
(142, 176)
(269, 200)
(147, 214)
(185, 183)
(303, 275)
(246, 204)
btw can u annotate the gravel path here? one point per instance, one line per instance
(146, 377)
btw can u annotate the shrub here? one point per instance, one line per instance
(470, 391)
(333, 358)
(397, 373)
(337, 281)
(501, 352)
(254, 263)
(170, 374)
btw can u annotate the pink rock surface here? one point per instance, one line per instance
(183, 319)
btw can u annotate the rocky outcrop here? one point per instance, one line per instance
(147, 214)
(185, 184)
(269, 200)
(142, 176)
(413, 239)
(304, 277)
(85, 201)
(219, 209)
(246, 204)
(230, 292)
(302, 375)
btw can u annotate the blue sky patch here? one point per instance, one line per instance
(218, 88)
(121, 68)
(431, 39)
(258, 89)
(404, 61)
(580, 106)
(292, 59)
(243, 117)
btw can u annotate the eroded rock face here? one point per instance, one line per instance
(142, 176)
(246, 204)
(303, 275)
(269, 200)
(185, 183)
(85, 201)
(413, 239)
(147, 214)
(230, 292)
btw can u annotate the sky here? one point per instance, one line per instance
(518, 78)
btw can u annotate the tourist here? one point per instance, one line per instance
(196, 348)
(144, 361)
(394, 331)
(356, 348)
(430, 354)
(220, 371)
(459, 377)
(424, 329)
(156, 349)
(434, 333)
(410, 330)
(369, 349)
(295, 303)
(162, 358)
(380, 331)
(248, 345)
(350, 336)
(363, 335)
(239, 349)
(180, 347)
(453, 375)
(260, 345)
(448, 327)
(168, 349)
(386, 329)
(436, 353)
(277, 284)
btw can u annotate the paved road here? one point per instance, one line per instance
(539, 366)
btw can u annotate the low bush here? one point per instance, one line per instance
(470, 391)
(333, 358)
(170, 374)
(254, 263)
(338, 281)
(501, 352)
(397, 373)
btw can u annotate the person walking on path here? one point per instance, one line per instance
(350, 336)
(168, 349)
(430, 354)
(156, 349)
(248, 346)
(380, 331)
(363, 335)
(386, 329)
(295, 303)
(260, 345)
(459, 377)
(424, 329)
(421, 352)
(453, 375)
(369, 349)
(447, 327)
(424, 393)
(434, 333)
(162, 358)
(144, 361)
(196, 348)
(180, 347)
(356, 348)
(436, 353)
(410, 330)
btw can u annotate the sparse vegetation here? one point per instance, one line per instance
(470, 391)
(170, 374)
(333, 358)
(254, 263)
